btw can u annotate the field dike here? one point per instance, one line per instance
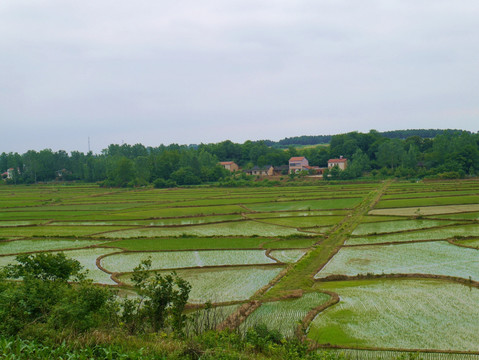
(302, 330)
(453, 242)
(455, 279)
(236, 318)
(460, 222)
(300, 275)
(449, 240)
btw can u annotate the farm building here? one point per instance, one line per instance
(8, 174)
(342, 163)
(266, 170)
(314, 169)
(298, 163)
(281, 170)
(230, 165)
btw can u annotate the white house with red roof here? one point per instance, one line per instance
(297, 164)
(341, 163)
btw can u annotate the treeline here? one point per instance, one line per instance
(449, 154)
(326, 139)
(136, 165)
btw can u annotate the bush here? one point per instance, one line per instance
(162, 183)
(46, 297)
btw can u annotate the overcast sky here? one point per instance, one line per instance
(183, 71)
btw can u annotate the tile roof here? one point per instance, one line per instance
(297, 158)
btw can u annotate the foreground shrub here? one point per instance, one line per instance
(45, 296)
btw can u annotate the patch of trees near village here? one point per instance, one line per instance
(450, 154)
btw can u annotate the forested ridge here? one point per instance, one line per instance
(326, 139)
(449, 154)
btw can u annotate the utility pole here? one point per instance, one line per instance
(88, 144)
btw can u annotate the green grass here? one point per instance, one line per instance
(408, 314)
(435, 258)
(460, 216)
(21, 349)
(290, 243)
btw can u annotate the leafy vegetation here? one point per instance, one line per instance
(449, 154)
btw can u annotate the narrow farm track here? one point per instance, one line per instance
(301, 274)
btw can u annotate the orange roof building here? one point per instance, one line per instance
(297, 164)
(230, 165)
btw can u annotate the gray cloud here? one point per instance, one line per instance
(191, 72)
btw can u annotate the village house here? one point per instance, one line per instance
(281, 170)
(8, 175)
(297, 164)
(340, 163)
(315, 170)
(266, 170)
(63, 173)
(230, 165)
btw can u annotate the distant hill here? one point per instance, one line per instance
(326, 139)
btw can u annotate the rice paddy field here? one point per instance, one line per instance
(408, 254)
(285, 315)
(220, 285)
(401, 314)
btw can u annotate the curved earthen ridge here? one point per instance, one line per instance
(450, 240)
(302, 329)
(468, 282)
(236, 318)
(462, 222)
